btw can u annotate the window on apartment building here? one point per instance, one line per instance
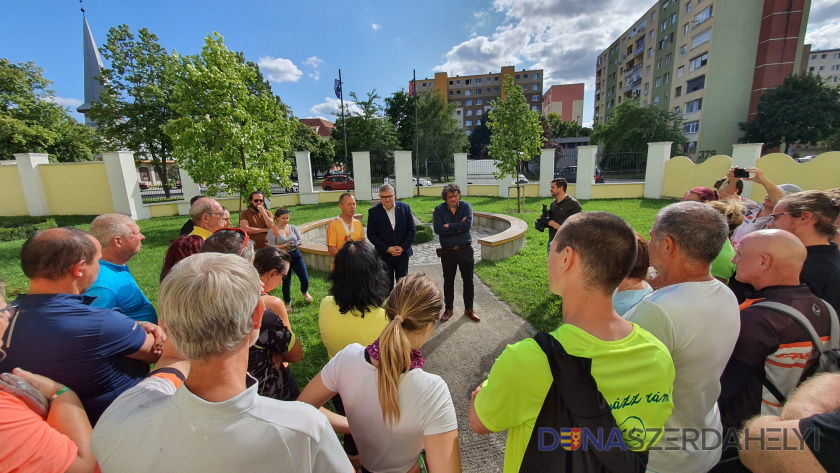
(535, 87)
(666, 95)
(813, 56)
(658, 82)
(663, 43)
(667, 77)
(450, 92)
(469, 113)
(478, 91)
(656, 100)
(665, 5)
(690, 148)
(680, 71)
(693, 106)
(478, 81)
(479, 112)
(535, 108)
(457, 112)
(683, 50)
(698, 62)
(822, 68)
(659, 64)
(478, 102)
(650, 52)
(652, 33)
(450, 82)
(647, 71)
(688, 7)
(535, 98)
(671, 38)
(469, 102)
(653, 17)
(668, 59)
(536, 76)
(467, 81)
(495, 89)
(676, 110)
(823, 56)
(701, 38)
(469, 132)
(517, 76)
(678, 91)
(644, 103)
(457, 92)
(458, 102)
(524, 76)
(468, 92)
(685, 28)
(836, 55)
(835, 68)
(496, 79)
(673, 18)
(695, 84)
(703, 15)
(663, 25)
(458, 82)
(811, 69)
(691, 127)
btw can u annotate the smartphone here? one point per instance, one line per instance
(741, 173)
(421, 460)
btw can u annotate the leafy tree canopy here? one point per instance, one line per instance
(231, 129)
(802, 109)
(31, 121)
(399, 108)
(135, 106)
(517, 133)
(632, 127)
(441, 135)
(321, 152)
(367, 130)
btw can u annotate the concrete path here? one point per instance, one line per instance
(462, 353)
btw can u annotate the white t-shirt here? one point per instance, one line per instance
(154, 427)
(425, 409)
(699, 323)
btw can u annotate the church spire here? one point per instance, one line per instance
(93, 66)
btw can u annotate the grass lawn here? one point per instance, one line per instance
(521, 280)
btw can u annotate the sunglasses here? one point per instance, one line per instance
(775, 217)
(258, 200)
(238, 230)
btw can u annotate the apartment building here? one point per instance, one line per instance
(703, 58)
(474, 94)
(565, 100)
(826, 64)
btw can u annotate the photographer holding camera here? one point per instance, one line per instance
(563, 207)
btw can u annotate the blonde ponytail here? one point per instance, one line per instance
(415, 302)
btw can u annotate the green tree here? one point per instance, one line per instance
(321, 152)
(399, 108)
(802, 109)
(632, 127)
(232, 130)
(135, 106)
(440, 133)
(517, 134)
(367, 130)
(31, 121)
(480, 139)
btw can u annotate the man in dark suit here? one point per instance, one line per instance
(391, 230)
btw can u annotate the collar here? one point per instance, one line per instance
(201, 232)
(41, 299)
(794, 292)
(185, 400)
(831, 247)
(114, 267)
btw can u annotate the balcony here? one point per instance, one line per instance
(635, 82)
(633, 70)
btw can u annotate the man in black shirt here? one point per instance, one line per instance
(563, 207)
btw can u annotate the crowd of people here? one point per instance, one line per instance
(684, 353)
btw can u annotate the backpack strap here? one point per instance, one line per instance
(799, 317)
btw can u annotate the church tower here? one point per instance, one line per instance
(93, 66)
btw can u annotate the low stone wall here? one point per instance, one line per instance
(509, 240)
(315, 255)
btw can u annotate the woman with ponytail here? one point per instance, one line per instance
(394, 409)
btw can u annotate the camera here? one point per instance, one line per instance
(542, 223)
(740, 173)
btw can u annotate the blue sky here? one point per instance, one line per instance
(376, 44)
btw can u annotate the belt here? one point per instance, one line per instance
(456, 248)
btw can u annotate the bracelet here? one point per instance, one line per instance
(59, 393)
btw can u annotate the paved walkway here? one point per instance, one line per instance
(462, 353)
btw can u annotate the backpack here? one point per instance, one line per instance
(826, 358)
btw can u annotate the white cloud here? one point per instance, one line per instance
(67, 102)
(279, 69)
(824, 37)
(562, 37)
(376, 27)
(314, 62)
(331, 107)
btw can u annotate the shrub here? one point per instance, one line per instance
(424, 234)
(22, 228)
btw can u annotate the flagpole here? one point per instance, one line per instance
(344, 129)
(416, 132)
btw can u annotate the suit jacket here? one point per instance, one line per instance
(382, 236)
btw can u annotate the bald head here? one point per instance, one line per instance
(52, 254)
(770, 258)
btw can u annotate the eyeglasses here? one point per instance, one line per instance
(238, 230)
(386, 196)
(258, 200)
(9, 311)
(775, 217)
(218, 214)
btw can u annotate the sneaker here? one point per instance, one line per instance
(307, 298)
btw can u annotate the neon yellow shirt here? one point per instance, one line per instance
(339, 330)
(635, 376)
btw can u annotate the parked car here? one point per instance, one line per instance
(294, 189)
(569, 173)
(804, 159)
(337, 182)
(522, 179)
(393, 181)
(144, 186)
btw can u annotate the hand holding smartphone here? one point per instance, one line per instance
(741, 173)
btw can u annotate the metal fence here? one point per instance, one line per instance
(480, 171)
(622, 166)
(156, 194)
(564, 161)
(437, 171)
(380, 169)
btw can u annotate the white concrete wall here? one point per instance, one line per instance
(122, 179)
(461, 172)
(30, 179)
(403, 172)
(658, 154)
(361, 175)
(585, 171)
(546, 172)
